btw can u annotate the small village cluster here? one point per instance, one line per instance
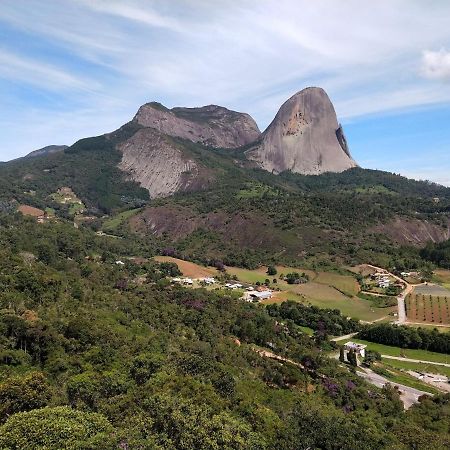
(251, 294)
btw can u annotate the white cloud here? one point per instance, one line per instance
(436, 65)
(247, 55)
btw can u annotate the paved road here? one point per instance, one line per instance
(401, 298)
(408, 395)
(399, 358)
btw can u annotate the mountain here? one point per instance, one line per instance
(157, 157)
(49, 149)
(200, 189)
(212, 126)
(304, 137)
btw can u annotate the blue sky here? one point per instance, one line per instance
(76, 68)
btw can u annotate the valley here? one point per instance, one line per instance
(187, 268)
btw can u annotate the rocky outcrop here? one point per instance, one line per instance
(416, 232)
(159, 165)
(304, 137)
(212, 125)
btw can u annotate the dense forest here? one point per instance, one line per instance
(94, 354)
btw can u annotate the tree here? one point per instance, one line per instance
(352, 358)
(56, 428)
(23, 394)
(341, 354)
(271, 270)
(371, 356)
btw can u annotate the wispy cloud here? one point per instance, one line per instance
(31, 71)
(246, 55)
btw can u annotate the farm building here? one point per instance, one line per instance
(257, 295)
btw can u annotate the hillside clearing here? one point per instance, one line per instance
(189, 269)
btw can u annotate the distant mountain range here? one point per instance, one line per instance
(208, 181)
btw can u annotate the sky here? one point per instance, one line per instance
(76, 68)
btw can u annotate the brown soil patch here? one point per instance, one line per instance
(189, 269)
(30, 211)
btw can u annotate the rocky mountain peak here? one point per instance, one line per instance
(305, 137)
(211, 125)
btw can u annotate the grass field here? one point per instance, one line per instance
(344, 283)
(442, 276)
(112, 223)
(189, 269)
(424, 355)
(326, 290)
(431, 307)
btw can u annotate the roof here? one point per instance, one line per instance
(355, 346)
(263, 294)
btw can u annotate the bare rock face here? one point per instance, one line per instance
(159, 165)
(304, 137)
(211, 125)
(415, 232)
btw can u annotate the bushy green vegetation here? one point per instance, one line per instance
(99, 355)
(407, 337)
(437, 253)
(327, 321)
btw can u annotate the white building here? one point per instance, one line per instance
(359, 349)
(256, 296)
(208, 280)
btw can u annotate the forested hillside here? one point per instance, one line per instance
(242, 215)
(95, 354)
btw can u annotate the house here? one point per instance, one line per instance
(120, 263)
(233, 285)
(208, 280)
(358, 349)
(383, 284)
(188, 281)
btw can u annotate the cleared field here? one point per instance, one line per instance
(442, 276)
(351, 307)
(344, 283)
(428, 308)
(260, 274)
(189, 269)
(249, 276)
(424, 355)
(325, 291)
(362, 269)
(431, 289)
